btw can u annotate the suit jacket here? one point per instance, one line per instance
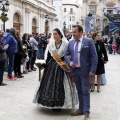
(88, 57)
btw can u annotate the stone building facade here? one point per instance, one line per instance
(68, 14)
(96, 8)
(71, 11)
(29, 16)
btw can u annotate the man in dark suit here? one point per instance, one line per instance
(83, 64)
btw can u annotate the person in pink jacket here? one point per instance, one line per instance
(114, 47)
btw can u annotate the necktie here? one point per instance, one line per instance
(76, 53)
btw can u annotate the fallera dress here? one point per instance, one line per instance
(56, 89)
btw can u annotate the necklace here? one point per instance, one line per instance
(57, 45)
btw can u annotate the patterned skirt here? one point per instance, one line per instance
(51, 91)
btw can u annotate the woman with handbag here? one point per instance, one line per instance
(25, 59)
(25, 41)
(3, 58)
(102, 59)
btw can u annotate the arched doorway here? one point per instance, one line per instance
(34, 26)
(16, 21)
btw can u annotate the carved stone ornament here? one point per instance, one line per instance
(27, 10)
(110, 3)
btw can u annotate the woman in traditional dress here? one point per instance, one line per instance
(56, 90)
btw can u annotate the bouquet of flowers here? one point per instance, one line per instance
(40, 64)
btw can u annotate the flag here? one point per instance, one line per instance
(117, 9)
(89, 24)
(114, 27)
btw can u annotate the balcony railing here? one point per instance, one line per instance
(73, 13)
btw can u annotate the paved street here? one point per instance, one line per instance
(16, 98)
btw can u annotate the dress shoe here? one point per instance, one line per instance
(25, 72)
(33, 69)
(3, 84)
(92, 90)
(98, 90)
(20, 76)
(87, 117)
(15, 76)
(78, 112)
(29, 70)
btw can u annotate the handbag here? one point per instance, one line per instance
(103, 60)
(24, 55)
(3, 56)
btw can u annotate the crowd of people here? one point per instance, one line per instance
(111, 42)
(17, 50)
(79, 57)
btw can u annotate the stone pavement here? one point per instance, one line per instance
(16, 98)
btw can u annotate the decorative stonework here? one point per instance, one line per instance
(42, 15)
(110, 3)
(92, 2)
(52, 18)
(27, 10)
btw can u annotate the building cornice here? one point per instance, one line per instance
(71, 4)
(39, 5)
(39, 2)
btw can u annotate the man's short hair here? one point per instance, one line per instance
(79, 27)
(13, 30)
(30, 35)
(7, 30)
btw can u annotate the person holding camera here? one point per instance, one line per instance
(41, 47)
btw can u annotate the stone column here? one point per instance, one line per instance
(39, 22)
(27, 11)
(42, 23)
(30, 23)
(23, 30)
(51, 25)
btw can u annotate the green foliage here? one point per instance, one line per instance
(4, 18)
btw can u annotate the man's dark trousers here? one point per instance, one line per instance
(83, 89)
(33, 59)
(2, 65)
(11, 58)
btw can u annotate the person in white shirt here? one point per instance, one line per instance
(34, 45)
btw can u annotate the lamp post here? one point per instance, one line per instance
(4, 7)
(64, 24)
(46, 24)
